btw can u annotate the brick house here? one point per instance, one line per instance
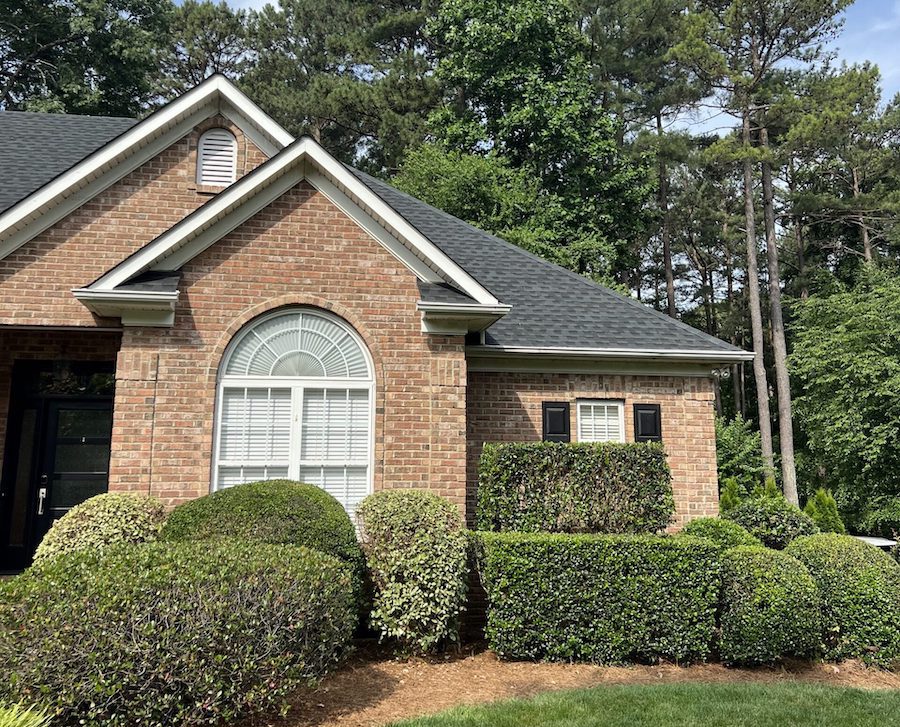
(198, 299)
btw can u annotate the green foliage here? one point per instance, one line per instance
(731, 495)
(884, 519)
(274, 511)
(101, 521)
(160, 634)
(859, 587)
(770, 607)
(417, 553)
(21, 716)
(724, 533)
(847, 363)
(823, 510)
(773, 520)
(572, 488)
(738, 453)
(599, 598)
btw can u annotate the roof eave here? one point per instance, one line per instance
(155, 309)
(707, 356)
(458, 319)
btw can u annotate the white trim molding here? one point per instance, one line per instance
(458, 319)
(136, 308)
(67, 192)
(711, 357)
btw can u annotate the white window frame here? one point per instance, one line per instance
(298, 386)
(580, 403)
(234, 146)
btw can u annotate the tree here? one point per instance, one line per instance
(80, 56)
(205, 39)
(846, 359)
(517, 85)
(738, 453)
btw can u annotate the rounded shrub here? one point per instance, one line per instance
(274, 511)
(723, 532)
(769, 607)
(773, 520)
(417, 552)
(164, 634)
(101, 521)
(859, 587)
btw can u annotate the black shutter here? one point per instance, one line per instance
(647, 423)
(556, 421)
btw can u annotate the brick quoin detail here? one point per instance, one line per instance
(506, 407)
(300, 250)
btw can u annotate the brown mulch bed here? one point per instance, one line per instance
(372, 689)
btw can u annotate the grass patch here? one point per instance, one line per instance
(685, 705)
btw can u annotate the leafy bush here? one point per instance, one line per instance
(164, 634)
(101, 521)
(738, 452)
(599, 598)
(416, 549)
(823, 510)
(722, 532)
(859, 587)
(884, 520)
(770, 607)
(274, 511)
(20, 716)
(561, 487)
(731, 495)
(773, 520)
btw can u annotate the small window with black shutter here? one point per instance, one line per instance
(647, 423)
(556, 421)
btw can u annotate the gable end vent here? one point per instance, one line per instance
(217, 158)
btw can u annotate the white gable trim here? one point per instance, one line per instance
(304, 159)
(107, 165)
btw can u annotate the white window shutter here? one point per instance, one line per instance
(600, 422)
(217, 158)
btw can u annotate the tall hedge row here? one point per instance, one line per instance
(600, 598)
(574, 488)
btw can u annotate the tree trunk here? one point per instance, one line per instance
(779, 346)
(756, 324)
(864, 228)
(665, 231)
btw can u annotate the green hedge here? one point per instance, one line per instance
(769, 607)
(101, 521)
(600, 598)
(859, 587)
(417, 552)
(720, 531)
(574, 488)
(773, 520)
(164, 634)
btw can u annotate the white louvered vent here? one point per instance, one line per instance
(217, 158)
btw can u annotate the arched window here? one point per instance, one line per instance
(217, 158)
(295, 401)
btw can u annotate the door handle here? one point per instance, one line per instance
(42, 495)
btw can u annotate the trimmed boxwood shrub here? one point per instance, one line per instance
(723, 532)
(163, 634)
(417, 552)
(101, 521)
(574, 488)
(859, 587)
(773, 520)
(769, 608)
(273, 511)
(600, 598)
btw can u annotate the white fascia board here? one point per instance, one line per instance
(454, 319)
(709, 356)
(144, 140)
(135, 308)
(498, 309)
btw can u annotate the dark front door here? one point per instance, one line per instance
(57, 451)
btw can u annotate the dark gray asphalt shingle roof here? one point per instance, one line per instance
(36, 148)
(551, 307)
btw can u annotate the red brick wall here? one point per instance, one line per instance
(506, 407)
(37, 279)
(299, 250)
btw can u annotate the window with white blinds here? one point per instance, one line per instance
(217, 158)
(601, 421)
(295, 401)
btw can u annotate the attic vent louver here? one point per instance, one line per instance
(217, 158)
